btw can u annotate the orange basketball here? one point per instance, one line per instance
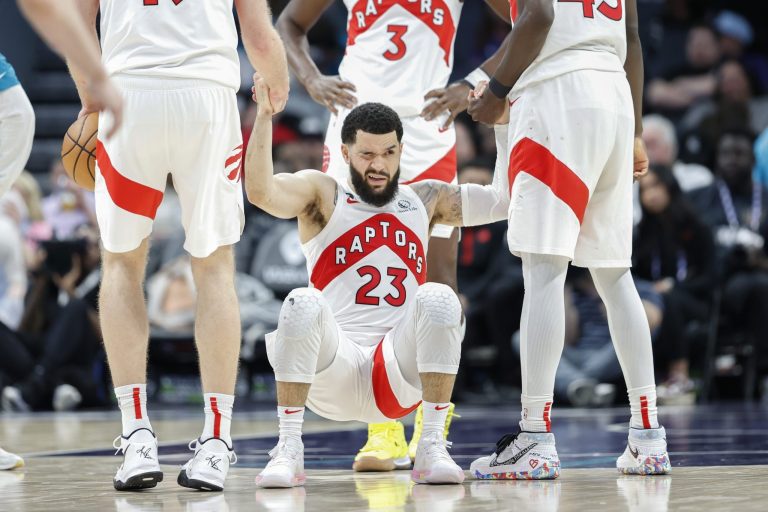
(78, 150)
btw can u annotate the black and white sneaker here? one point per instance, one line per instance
(140, 468)
(208, 468)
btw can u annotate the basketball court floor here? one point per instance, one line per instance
(719, 453)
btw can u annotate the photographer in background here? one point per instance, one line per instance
(50, 359)
(735, 207)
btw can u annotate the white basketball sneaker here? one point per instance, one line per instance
(286, 467)
(521, 456)
(10, 460)
(433, 465)
(646, 453)
(208, 468)
(140, 468)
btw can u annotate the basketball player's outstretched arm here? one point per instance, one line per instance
(296, 20)
(60, 23)
(283, 195)
(264, 48)
(633, 66)
(526, 39)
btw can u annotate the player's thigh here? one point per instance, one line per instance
(17, 130)
(605, 239)
(429, 152)
(333, 161)
(206, 164)
(132, 171)
(555, 162)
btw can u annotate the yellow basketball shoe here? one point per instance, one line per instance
(418, 424)
(385, 450)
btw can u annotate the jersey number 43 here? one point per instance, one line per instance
(604, 8)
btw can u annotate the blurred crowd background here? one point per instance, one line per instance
(700, 258)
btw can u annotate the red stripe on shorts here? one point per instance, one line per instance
(385, 398)
(136, 403)
(547, 421)
(532, 158)
(216, 417)
(644, 411)
(127, 194)
(442, 170)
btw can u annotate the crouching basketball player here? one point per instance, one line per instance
(369, 339)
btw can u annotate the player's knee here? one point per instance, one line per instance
(439, 304)
(128, 265)
(218, 266)
(301, 313)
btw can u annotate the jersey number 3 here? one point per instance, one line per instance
(364, 296)
(397, 31)
(612, 13)
(154, 2)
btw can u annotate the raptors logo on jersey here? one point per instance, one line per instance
(391, 39)
(368, 261)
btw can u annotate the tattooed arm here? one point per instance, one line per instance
(461, 205)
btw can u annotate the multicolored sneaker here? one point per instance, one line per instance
(385, 449)
(646, 453)
(521, 456)
(418, 425)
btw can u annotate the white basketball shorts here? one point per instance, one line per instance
(188, 129)
(570, 169)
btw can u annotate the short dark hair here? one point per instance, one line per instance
(737, 130)
(371, 118)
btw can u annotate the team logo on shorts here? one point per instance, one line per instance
(233, 166)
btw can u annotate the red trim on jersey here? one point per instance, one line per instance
(442, 170)
(127, 194)
(513, 10)
(386, 401)
(136, 403)
(444, 32)
(534, 159)
(326, 269)
(644, 411)
(547, 421)
(216, 417)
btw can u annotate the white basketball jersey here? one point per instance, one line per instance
(585, 34)
(398, 50)
(369, 262)
(192, 39)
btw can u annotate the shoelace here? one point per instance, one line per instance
(438, 448)
(380, 437)
(283, 455)
(193, 444)
(505, 441)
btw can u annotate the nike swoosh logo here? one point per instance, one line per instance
(438, 408)
(352, 201)
(3, 74)
(634, 452)
(514, 458)
(286, 411)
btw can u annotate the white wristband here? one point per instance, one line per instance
(476, 77)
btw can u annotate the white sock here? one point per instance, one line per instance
(291, 420)
(632, 341)
(642, 403)
(132, 400)
(542, 335)
(218, 417)
(434, 416)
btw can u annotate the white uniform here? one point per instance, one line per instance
(176, 62)
(368, 264)
(570, 141)
(397, 51)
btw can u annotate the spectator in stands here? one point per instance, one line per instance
(68, 207)
(735, 208)
(50, 359)
(674, 250)
(736, 36)
(490, 285)
(466, 141)
(734, 104)
(661, 143)
(761, 159)
(589, 368)
(680, 88)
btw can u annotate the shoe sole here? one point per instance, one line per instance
(651, 466)
(141, 481)
(446, 477)
(545, 472)
(373, 464)
(192, 483)
(267, 483)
